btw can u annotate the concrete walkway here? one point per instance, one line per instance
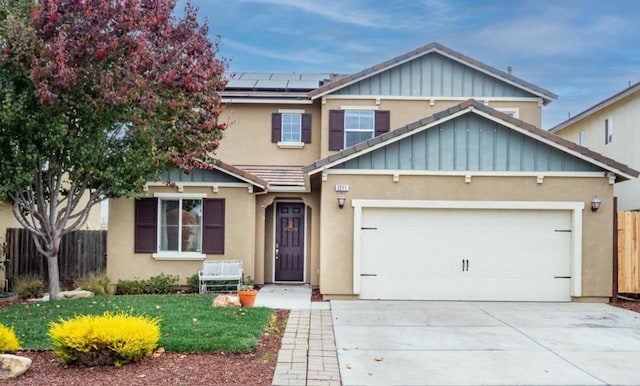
(308, 353)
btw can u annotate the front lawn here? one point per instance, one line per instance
(188, 322)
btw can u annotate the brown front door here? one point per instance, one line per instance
(289, 264)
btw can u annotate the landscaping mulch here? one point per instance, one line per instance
(253, 368)
(628, 304)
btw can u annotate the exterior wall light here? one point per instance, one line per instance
(341, 200)
(595, 203)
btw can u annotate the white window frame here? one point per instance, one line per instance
(359, 130)
(511, 111)
(294, 116)
(290, 144)
(179, 254)
(582, 137)
(608, 130)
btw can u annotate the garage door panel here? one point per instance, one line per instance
(465, 254)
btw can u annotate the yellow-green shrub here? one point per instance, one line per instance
(108, 339)
(8, 340)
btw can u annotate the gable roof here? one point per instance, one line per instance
(623, 171)
(597, 107)
(546, 95)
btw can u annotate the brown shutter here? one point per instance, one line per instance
(306, 128)
(146, 225)
(336, 129)
(213, 226)
(383, 122)
(276, 127)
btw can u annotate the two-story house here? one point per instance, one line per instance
(423, 177)
(610, 127)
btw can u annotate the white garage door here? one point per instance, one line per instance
(465, 254)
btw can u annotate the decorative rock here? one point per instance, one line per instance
(13, 365)
(226, 301)
(77, 293)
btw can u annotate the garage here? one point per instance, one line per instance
(472, 253)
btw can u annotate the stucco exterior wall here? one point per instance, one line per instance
(336, 269)
(123, 263)
(247, 141)
(625, 145)
(407, 111)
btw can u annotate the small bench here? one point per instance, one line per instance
(216, 274)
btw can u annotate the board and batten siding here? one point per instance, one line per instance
(198, 175)
(433, 75)
(470, 143)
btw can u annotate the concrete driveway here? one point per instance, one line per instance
(476, 343)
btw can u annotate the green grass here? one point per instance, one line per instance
(188, 322)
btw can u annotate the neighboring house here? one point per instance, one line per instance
(8, 220)
(450, 190)
(611, 127)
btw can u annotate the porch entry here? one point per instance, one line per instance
(289, 243)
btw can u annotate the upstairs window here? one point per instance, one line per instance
(608, 131)
(348, 127)
(290, 127)
(582, 138)
(510, 111)
(358, 126)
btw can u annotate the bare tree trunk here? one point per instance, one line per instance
(49, 214)
(54, 277)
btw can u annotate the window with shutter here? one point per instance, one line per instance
(146, 228)
(290, 128)
(186, 227)
(350, 127)
(213, 226)
(336, 129)
(306, 128)
(276, 127)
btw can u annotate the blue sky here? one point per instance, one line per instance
(582, 50)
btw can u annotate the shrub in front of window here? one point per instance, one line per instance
(130, 287)
(28, 287)
(8, 340)
(160, 284)
(193, 283)
(105, 340)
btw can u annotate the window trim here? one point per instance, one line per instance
(161, 254)
(173, 255)
(346, 130)
(507, 110)
(608, 130)
(582, 137)
(299, 127)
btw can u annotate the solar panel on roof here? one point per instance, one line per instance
(285, 77)
(255, 75)
(316, 77)
(269, 84)
(242, 83)
(303, 84)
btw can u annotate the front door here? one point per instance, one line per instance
(289, 248)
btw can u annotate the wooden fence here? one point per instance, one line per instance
(81, 253)
(628, 252)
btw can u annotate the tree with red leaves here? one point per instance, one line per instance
(99, 96)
